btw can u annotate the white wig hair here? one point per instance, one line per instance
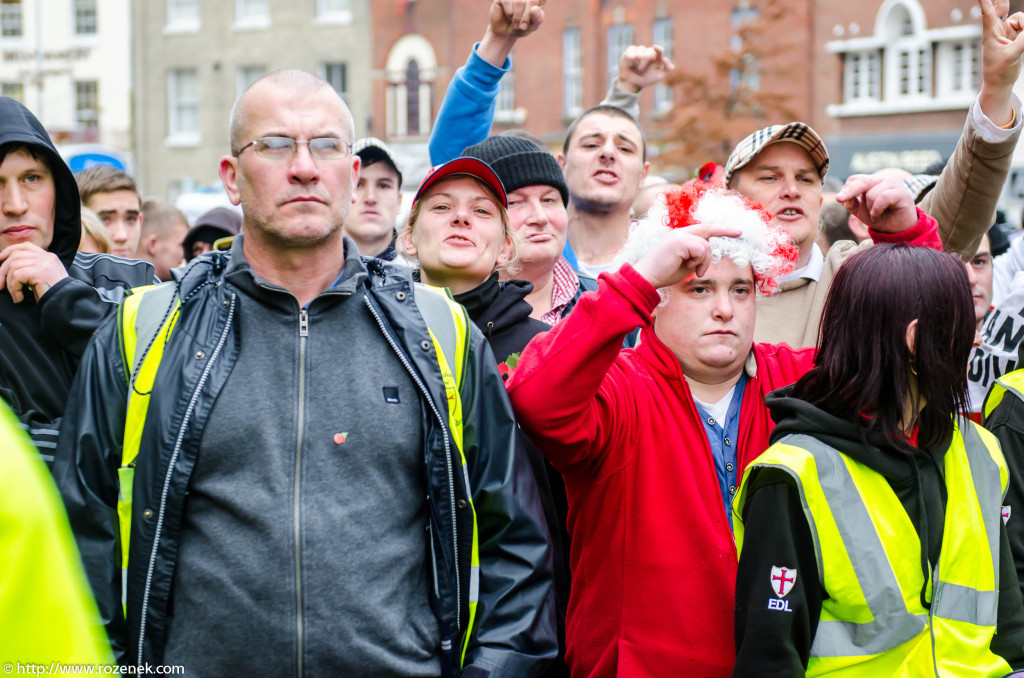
(764, 246)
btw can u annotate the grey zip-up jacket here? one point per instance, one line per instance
(513, 633)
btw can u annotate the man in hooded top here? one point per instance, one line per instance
(52, 297)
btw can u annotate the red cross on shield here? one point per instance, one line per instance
(783, 579)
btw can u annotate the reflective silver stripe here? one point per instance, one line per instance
(1009, 387)
(149, 318)
(44, 431)
(45, 443)
(438, 317)
(964, 604)
(985, 472)
(961, 603)
(474, 583)
(894, 624)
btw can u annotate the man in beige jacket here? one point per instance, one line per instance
(782, 167)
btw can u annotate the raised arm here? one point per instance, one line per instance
(569, 390)
(965, 196)
(639, 67)
(467, 110)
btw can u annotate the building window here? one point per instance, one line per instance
(747, 74)
(412, 101)
(905, 67)
(337, 75)
(252, 14)
(662, 34)
(862, 76)
(15, 90)
(85, 17)
(505, 102)
(619, 38)
(410, 72)
(572, 73)
(182, 15)
(333, 11)
(183, 106)
(87, 109)
(247, 75)
(10, 18)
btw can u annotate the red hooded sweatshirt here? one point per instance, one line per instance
(653, 558)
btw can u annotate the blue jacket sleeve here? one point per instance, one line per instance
(467, 110)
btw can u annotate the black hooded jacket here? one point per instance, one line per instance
(776, 533)
(502, 313)
(40, 343)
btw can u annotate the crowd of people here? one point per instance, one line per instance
(566, 419)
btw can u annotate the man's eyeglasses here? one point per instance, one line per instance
(284, 148)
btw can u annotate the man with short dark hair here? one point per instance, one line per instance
(114, 197)
(163, 230)
(321, 479)
(378, 200)
(52, 298)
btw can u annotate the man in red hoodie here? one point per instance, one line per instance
(652, 441)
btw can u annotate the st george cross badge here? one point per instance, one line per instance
(783, 579)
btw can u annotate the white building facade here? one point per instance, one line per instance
(69, 61)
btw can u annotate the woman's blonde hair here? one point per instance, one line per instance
(508, 266)
(94, 228)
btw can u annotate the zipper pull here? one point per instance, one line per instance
(303, 323)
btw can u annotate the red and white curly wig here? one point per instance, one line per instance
(762, 244)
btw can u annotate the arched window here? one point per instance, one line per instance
(908, 55)
(412, 87)
(410, 73)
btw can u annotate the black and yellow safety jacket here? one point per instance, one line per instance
(491, 561)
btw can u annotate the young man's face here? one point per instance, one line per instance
(121, 214)
(377, 202)
(708, 322)
(167, 252)
(27, 200)
(979, 274)
(783, 178)
(604, 165)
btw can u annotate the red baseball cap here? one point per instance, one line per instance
(474, 167)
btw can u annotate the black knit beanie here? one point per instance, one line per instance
(519, 162)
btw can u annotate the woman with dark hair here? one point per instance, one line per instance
(870, 535)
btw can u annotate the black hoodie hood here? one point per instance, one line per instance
(502, 313)
(18, 125)
(890, 458)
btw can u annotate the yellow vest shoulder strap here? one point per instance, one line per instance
(448, 323)
(1011, 382)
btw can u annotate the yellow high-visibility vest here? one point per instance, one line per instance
(47, 612)
(872, 622)
(1011, 382)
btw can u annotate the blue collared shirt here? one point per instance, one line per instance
(722, 437)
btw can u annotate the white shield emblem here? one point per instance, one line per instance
(783, 579)
(1005, 512)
